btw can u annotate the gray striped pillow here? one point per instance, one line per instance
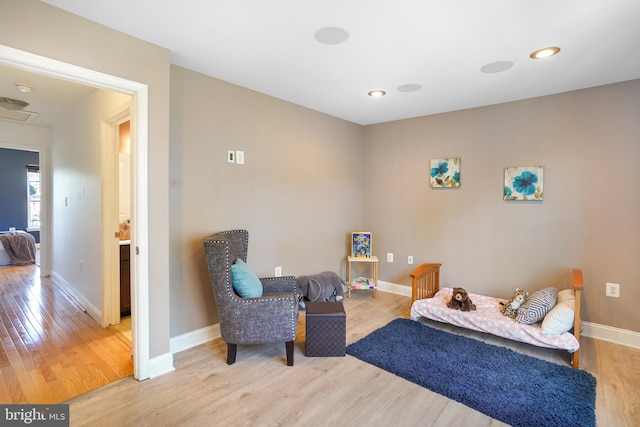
(537, 306)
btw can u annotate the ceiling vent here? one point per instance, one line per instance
(20, 116)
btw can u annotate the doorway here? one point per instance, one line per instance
(117, 225)
(139, 239)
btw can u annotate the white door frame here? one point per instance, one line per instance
(110, 214)
(140, 213)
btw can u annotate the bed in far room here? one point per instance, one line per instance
(17, 248)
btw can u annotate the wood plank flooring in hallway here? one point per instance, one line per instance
(51, 349)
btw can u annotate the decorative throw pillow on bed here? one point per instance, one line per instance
(537, 306)
(560, 319)
(566, 295)
(244, 280)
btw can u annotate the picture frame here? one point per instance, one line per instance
(524, 183)
(361, 244)
(445, 173)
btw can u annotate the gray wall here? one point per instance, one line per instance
(299, 192)
(588, 143)
(76, 165)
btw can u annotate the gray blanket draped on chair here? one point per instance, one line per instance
(325, 286)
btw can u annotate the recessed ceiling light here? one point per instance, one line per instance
(22, 87)
(497, 67)
(544, 53)
(331, 35)
(410, 87)
(377, 93)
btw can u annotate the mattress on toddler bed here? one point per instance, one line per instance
(488, 318)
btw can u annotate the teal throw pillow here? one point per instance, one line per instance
(244, 281)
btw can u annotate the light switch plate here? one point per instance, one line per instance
(240, 157)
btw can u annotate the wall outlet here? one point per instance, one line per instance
(278, 272)
(612, 290)
(240, 157)
(409, 259)
(389, 257)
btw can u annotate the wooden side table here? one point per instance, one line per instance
(372, 261)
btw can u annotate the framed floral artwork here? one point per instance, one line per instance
(445, 172)
(523, 183)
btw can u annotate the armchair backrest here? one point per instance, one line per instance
(221, 250)
(267, 319)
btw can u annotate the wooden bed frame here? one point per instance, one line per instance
(425, 282)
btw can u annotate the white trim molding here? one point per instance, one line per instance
(140, 214)
(394, 288)
(611, 334)
(194, 338)
(161, 365)
(589, 330)
(80, 301)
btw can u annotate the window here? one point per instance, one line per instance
(33, 197)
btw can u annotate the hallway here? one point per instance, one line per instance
(52, 350)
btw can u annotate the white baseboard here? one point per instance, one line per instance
(611, 334)
(212, 332)
(590, 330)
(394, 288)
(81, 301)
(194, 338)
(161, 365)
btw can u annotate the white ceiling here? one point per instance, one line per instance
(50, 98)
(268, 46)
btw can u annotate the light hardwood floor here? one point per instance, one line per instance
(51, 350)
(260, 390)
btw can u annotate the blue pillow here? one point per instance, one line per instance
(244, 281)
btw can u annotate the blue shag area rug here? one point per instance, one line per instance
(511, 387)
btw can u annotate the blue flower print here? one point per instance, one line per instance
(456, 177)
(525, 183)
(443, 167)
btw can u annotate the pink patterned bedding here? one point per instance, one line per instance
(487, 318)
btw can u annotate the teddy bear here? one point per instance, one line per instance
(510, 309)
(460, 300)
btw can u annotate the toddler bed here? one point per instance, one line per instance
(429, 301)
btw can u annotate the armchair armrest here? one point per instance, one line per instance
(285, 284)
(270, 318)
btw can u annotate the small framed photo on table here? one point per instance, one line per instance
(361, 244)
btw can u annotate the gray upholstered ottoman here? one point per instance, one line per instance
(326, 329)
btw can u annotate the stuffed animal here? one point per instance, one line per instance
(510, 309)
(460, 300)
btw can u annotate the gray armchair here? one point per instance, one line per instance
(268, 319)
